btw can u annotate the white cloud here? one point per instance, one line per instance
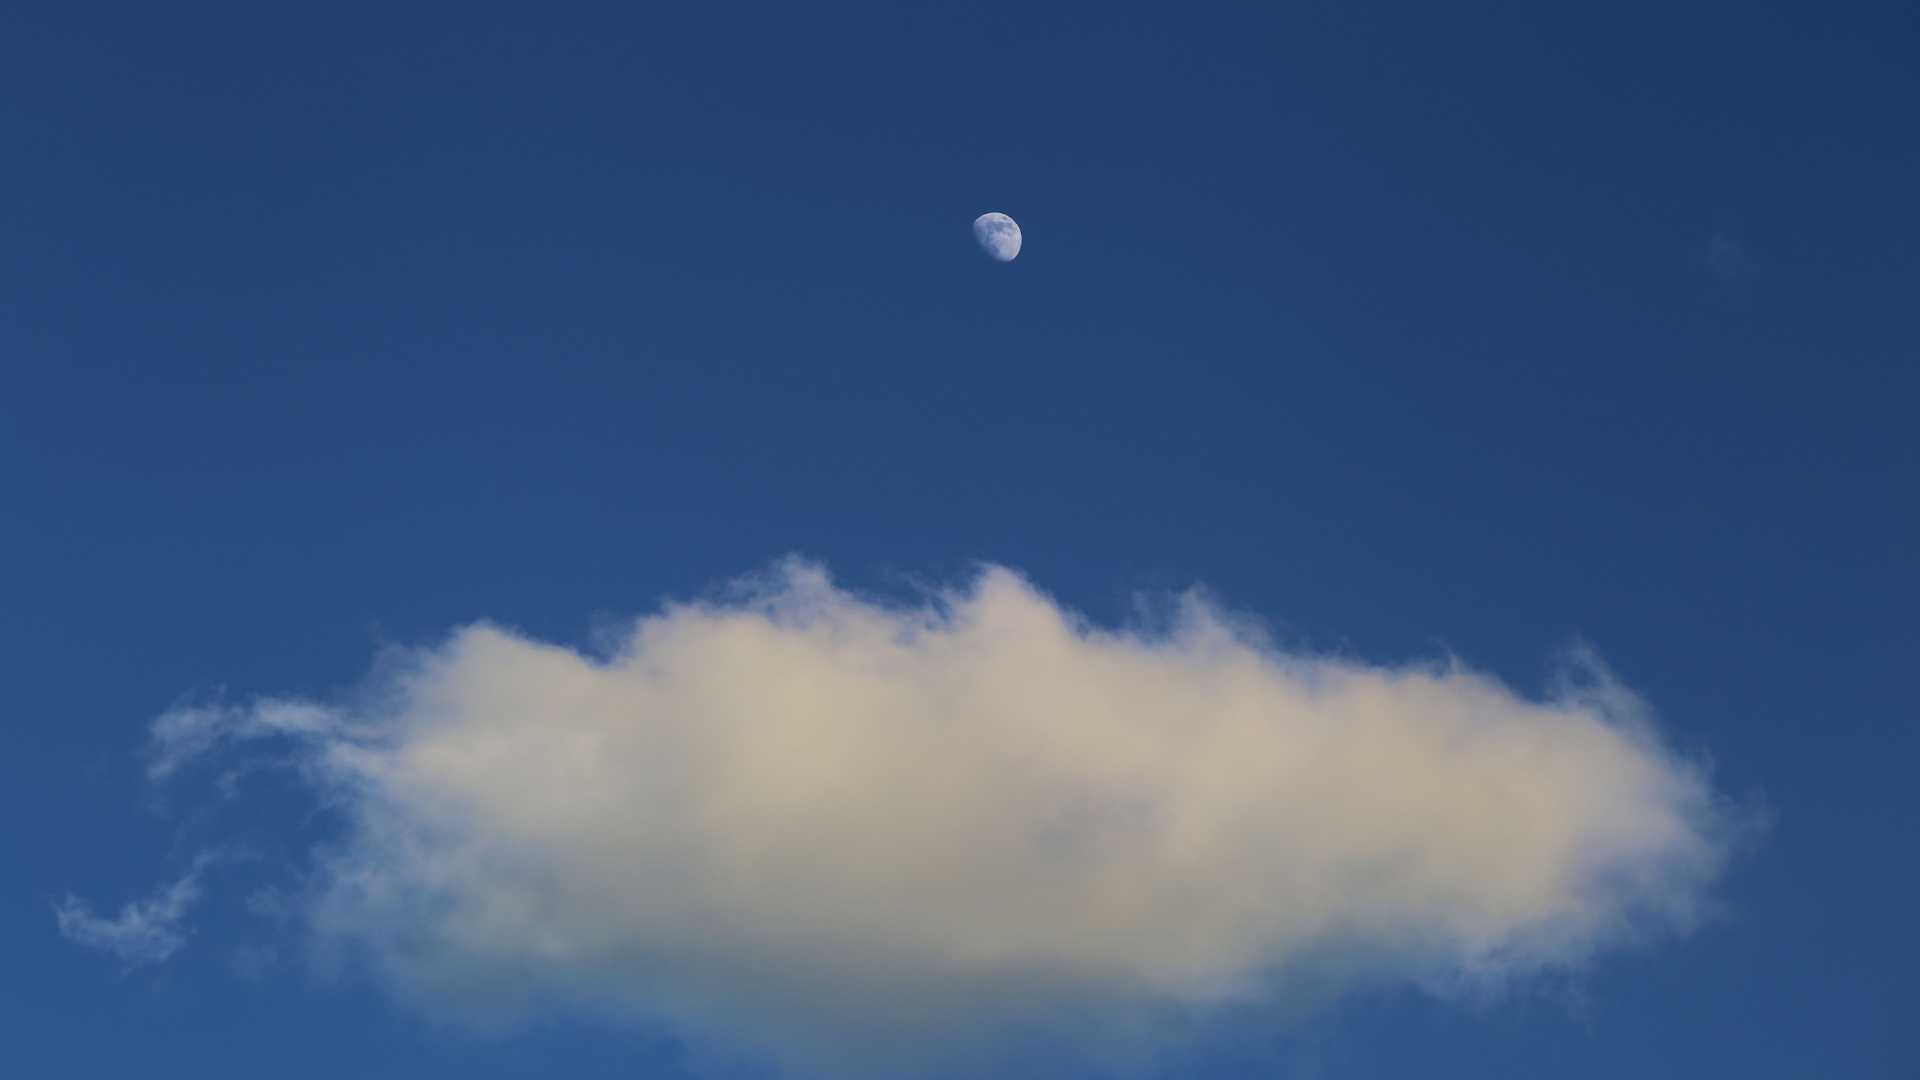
(144, 932)
(833, 826)
(190, 731)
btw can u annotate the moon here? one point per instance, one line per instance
(999, 235)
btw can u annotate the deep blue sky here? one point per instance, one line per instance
(1409, 327)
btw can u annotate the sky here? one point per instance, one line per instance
(537, 540)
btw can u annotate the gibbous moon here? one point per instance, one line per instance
(999, 235)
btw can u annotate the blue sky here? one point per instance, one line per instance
(1409, 332)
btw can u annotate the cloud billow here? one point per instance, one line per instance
(819, 821)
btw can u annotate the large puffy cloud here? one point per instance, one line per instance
(831, 822)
